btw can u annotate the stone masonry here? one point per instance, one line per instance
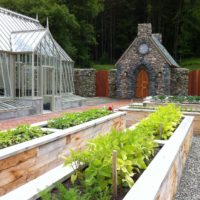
(112, 83)
(146, 52)
(85, 82)
(179, 81)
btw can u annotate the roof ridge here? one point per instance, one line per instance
(164, 51)
(10, 12)
(23, 31)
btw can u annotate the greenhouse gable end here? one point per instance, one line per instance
(34, 70)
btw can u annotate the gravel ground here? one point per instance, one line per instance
(189, 188)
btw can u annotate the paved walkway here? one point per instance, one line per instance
(91, 103)
(189, 187)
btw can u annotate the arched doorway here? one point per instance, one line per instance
(142, 84)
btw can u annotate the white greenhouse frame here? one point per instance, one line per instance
(32, 63)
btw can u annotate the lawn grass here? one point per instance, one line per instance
(191, 63)
(103, 67)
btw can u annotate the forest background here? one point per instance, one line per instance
(98, 31)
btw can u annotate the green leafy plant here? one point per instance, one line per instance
(21, 134)
(135, 149)
(73, 119)
(177, 99)
(62, 193)
(166, 116)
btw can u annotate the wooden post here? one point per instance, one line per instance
(114, 174)
(161, 130)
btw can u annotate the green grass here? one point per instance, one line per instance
(191, 63)
(103, 67)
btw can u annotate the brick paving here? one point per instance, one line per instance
(12, 123)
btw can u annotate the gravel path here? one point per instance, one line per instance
(189, 188)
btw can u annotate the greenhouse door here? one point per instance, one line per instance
(142, 84)
(48, 87)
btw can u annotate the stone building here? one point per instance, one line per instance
(146, 68)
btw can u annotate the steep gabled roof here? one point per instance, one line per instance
(26, 41)
(170, 60)
(163, 51)
(20, 33)
(11, 21)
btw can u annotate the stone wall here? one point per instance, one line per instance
(85, 82)
(179, 81)
(147, 53)
(112, 83)
(131, 62)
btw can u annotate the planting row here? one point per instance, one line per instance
(25, 133)
(135, 149)
(176, 99)
(25, 160)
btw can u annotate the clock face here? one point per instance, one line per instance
(143, 48)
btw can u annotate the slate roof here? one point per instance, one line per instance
(164, 52)
(166, 55)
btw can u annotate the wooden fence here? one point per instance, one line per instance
(102, 85)
(194, 83)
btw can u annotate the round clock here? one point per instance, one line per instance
(143, 48)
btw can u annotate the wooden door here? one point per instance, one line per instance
(194, 83)
(102, 84)
(142, 84)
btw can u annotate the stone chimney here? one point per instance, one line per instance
(158, 36)
(144, 30)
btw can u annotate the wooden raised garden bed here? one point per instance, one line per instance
(158, 181)
(23, 162)
(139, 112)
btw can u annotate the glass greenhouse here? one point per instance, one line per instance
(33, 66)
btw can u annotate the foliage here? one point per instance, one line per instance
(177, 99)
(21, 134)
(62, 194)
(103, 67)
(74, 193)
(101, 30)
(192, 63)
(134, 149)
(163, 122)
(70, 22)
(73, 119)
